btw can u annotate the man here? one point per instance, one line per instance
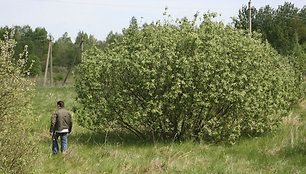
(61, 125)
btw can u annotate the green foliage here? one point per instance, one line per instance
(16, 145)
(111, 37)
(59, 77)
(283, 27)
(34, 65)
(176, 80)
(89, 41)
(59, 69)
(63, 51)
(35, 40)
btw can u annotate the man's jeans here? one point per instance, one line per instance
(64, 142)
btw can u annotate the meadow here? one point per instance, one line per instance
(282, 151)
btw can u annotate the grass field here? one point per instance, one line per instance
(91, 152)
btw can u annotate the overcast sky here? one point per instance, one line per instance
(99, 17)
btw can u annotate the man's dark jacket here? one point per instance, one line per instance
(61, 119)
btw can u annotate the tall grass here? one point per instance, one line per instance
(58, 79)
(121, 152)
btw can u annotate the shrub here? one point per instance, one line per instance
(59, 77)
(176, 80)
(59, 69)
(33, 64)
(16, 147)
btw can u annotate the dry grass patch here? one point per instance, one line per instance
(303, 104)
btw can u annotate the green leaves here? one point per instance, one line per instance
(15, 97)
(283, 27)
(176, 80)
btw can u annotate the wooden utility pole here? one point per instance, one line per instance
(71, 66)
(250, 17)
(51, 72)
(47, 62)
(82, 49)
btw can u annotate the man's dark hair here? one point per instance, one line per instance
(60, 103)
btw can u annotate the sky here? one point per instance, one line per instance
(99, 17)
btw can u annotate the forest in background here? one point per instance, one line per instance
(284, 28)
(63, 49)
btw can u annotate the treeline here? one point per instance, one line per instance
(63, 50)
(284, 28)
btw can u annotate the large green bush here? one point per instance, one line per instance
(176, 80)
(16, 147)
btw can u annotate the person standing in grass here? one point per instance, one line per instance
(61, 125)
